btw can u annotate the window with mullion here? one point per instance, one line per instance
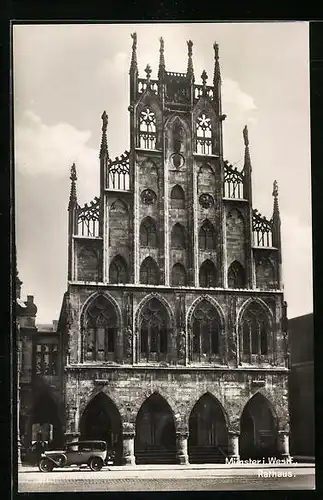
(100, 331)
(153, 331)
(203, 135)
(147, 129)
(205, 340)
(255, 331)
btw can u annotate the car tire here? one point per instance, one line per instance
(45, 465)
(96, 463)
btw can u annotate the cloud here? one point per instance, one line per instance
(109, 67)
(234, 95)
(50, 150)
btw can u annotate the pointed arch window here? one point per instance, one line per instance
(203, 135)
(207, 236)
(178, 236)
(118, 271)
(255, 333)
(100, 331)
(178, 275)
(147, 128)
(208, 274)
(177, 197)
(149, 272)
(236, 275)
(148, 233)
(153, 326)
(206, 327)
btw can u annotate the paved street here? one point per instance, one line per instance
(169, 478)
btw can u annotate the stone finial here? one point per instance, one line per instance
(216, 51)
(73, 175)
(133, 64)
(148, 72)
(245, 136)
(190, 70)
(161, 54)
(73, 196)
(275, 189)
(217, 72)
(104, 140)
(204, 77)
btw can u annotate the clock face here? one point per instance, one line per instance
(148, 197)
(206, 200)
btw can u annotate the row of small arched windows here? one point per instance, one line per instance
(148, 129)
(149, 236)
(150, 273)
(154, 325)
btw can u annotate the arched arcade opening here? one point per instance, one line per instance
(45, 420)
(155, 440)
(101, 420)
(208, 434)
(258, 429)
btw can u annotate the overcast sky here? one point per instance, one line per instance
(66, 75)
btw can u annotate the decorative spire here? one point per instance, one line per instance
(190, 70)
(161, 70)
(134, 64)
(247, 190)
(217, 72)
(73, 196)
(104, 141)
(276, 234)
(247, 160)
(275, 195)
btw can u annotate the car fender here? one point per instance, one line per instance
(59, 460)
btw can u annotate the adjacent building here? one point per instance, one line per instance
(40, 381)
(301, 337)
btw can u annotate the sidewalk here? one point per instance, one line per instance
(29, 468)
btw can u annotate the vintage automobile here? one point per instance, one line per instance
(91, 453)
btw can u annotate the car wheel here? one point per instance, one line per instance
(96, 463)
(45, 465)
(61, 461)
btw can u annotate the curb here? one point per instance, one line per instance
(138, 468)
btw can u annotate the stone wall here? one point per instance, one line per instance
(129, 387)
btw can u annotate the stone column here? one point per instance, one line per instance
(234, 444)
(128, 437)
(181, 447)
(71, 436)
(284, 443)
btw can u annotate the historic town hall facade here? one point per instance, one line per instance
(172, 333)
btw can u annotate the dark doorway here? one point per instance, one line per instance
(101, 420)
(208, 435)
(155, 440)
(45, 419)
(258, 429)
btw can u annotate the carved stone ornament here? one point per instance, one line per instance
(206, 200)
(148, 197)
(181, 343)
(177, 160)
(128, 340)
